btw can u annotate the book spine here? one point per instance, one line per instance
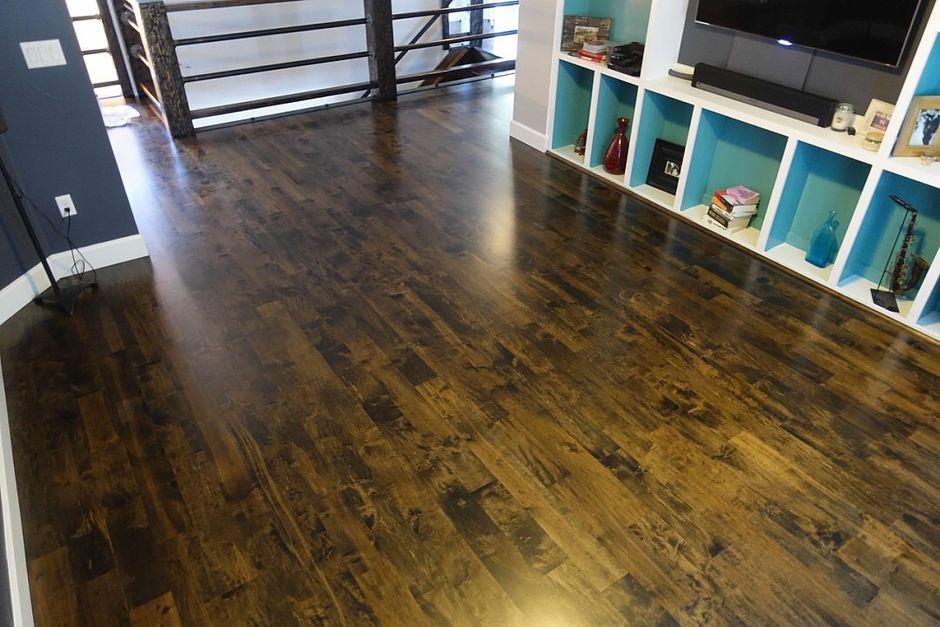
(717, 216)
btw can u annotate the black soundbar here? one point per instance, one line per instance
(791, 102)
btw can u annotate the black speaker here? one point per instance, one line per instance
(791, 102)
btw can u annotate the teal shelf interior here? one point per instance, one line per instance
(629, 18)
(819, 182)
(932, 309)
(615, 99)
(879, 230)
(662, 118)
(572, 103)
(729, 152)
(930, 78)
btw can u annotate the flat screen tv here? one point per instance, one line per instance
(871, 30)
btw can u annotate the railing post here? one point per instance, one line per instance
(380, 37)
(476, 24)
(161, 51)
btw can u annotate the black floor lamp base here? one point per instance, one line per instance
(65, 297)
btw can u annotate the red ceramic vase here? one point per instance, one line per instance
(615, 159)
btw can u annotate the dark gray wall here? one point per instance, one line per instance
(57, 142)
(837, 77)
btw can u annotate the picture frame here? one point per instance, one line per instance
(921, 128)
(580, 28)
(665, 166)
(877, 116)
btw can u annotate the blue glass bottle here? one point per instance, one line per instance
(822, 248)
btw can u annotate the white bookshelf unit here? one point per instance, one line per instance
(801, 171)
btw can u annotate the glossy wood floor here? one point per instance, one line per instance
(388, 367)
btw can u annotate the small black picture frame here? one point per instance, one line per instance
(665, 166)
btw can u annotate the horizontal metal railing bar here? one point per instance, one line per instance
(284, 114)
(150, 95)
(135, 26)
(279, 100)
(143, 59)
(455, 40)
(488, 67)
(199, 5)
(106, 83)
(476, 7)
(472, 79)
(274, 66)
(84, 18)
(96, 51)
(267, 32)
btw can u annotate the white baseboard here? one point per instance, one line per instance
(23, 290)
(528, 136)
(13, 543)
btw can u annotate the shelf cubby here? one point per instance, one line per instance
(615, 99)
(729, 152)
(662, 117)
(819, 181)
(879, 231)
(572, 108)
(930, 320)
(629, 18)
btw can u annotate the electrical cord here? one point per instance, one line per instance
(80, 264)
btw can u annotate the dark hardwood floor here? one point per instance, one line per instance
(388, 367)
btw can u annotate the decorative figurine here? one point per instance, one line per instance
(580, 146)
(909, 268)
(615, 159)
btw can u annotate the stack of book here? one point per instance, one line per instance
(732, 209)
(594, 51)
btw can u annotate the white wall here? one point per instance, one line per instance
(533, 71)
(13, 544)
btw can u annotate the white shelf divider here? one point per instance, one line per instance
(851, 232)
(687, 157)
(773, 202)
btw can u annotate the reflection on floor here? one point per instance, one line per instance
(389, 367)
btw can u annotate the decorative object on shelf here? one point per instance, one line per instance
(627, 59)
(580, 144)
(579, 29)
(878, 116)
(928, 158)
(615, 159)
(732, 209)
(843, 118)
(920, 127)
(904, 278)
(825, 244)
(873, 140)
(665, 166)
(595, 51)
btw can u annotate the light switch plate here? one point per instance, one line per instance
(45, 53)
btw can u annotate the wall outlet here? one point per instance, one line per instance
(66, 206)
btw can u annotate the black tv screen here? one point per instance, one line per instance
(871, 30)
